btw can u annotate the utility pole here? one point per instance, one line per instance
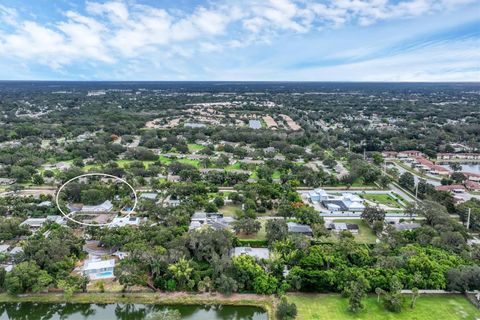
(468, 218)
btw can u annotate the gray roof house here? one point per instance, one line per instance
(258, 253)
(404, 226)
(299, 228)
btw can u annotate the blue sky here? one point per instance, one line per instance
(294, 40)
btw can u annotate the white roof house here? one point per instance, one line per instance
(45, 204)
(16, 250)
(149, 195)
(4, 248)
(124, 221)
(34, 223)
(99, 269)
(258, 253)
(106, 206)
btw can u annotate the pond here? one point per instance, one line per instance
(81, 311)
(466, 167)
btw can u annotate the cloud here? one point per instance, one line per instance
(124, 33)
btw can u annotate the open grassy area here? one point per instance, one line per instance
(428, 307)
(125, 163)
(260, 235)
(194, 147)
(236, 166)
(195, 163)
(365, 234)
(229, 210)
(383, 198)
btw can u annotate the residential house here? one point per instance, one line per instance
(96, 269)
(299, 228)
(338, 227)
(406, 226)
(124, 221)
(257, 253)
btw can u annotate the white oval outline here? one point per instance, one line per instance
(88, 175)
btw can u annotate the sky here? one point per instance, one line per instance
(262, 40)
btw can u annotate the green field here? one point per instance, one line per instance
(383, 198)
(428, 307)
(229, 210)
(194, 147)
(365, 234)
(236, 166)
(260, 235)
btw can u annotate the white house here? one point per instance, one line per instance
(106, 206)
(258, 253)
(124, 221)
(99, 269)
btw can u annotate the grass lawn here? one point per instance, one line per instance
(428, 307)
(236, 166)
(260, 235)
(194, 147)
(164, 160)
(125, 163)
(191, 162)
(229, 210)
(383, 198)
(276, 174)
(365, 234)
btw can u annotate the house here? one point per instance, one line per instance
(406, 226)
(455, 188)
(33, 223)
(4, 248)
(45, 204)
(124, 221)
(338, 227)
(16, 250)
(194, 125)
(299, 228)
(201, 219)
(106, 206)
(472, 185)
(409, 154)
(149, 195)
(254, 124)
(7, 181)
(257, 253)
(345, 202)
(318, 195)
(169, 202)
(99, 269)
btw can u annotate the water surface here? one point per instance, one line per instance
(82, 311)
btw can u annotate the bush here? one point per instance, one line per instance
(286, 310)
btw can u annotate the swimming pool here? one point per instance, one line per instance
(103, 275)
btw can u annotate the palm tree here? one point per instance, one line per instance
(181, 271)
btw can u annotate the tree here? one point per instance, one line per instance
(372, 214)
(379, 292)
(226, 285)
(464, 278)
(27, 277)
(456, 166)
(276, 230)
(393, 299)
(356, 291)
(38, 179)
(286, 310)
(181, 271)
(246, 225)
(407, 181)
(415, 294)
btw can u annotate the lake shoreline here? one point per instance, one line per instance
(266, 303)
